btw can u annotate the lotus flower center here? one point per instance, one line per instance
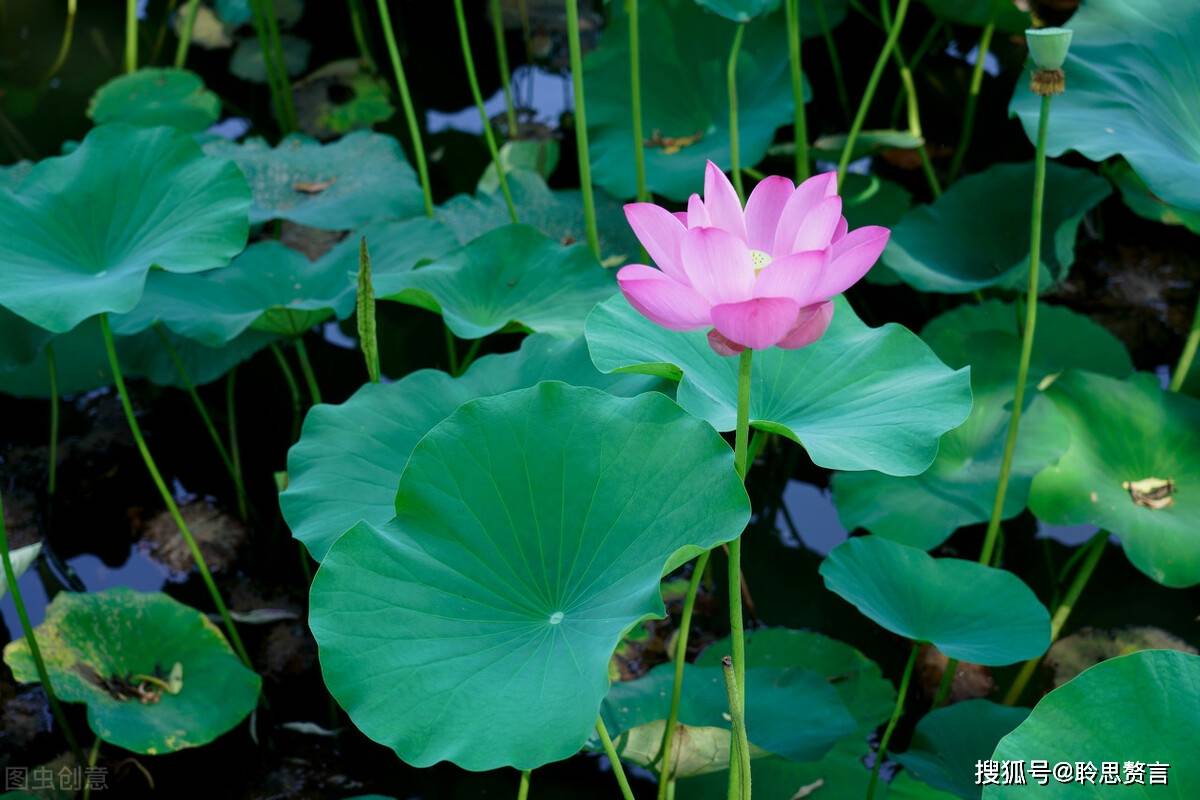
(556, 617)
(759, 259)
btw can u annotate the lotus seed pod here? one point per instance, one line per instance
(1048, 46)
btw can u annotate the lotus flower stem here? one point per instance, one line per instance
(235, 452)
(581, 135)
(739, 777)
(872, 84)
(946, 683)
(897, 710)
(185, 33)
(364, 316)
(410, 115)
(360, 34)
(735, 155)
(310, 377)
(1092, 552)
(289, 378)
(64, 47)
(93, 755)
(52, 374)
(799, 122)
(737, 639)
(201, 565)
(1189, 353)
(202, 410)
(35, 651)
(835, 61)
(505, 76)
(523, 788)
(635, 99)
(611, 752)
(1031, 300)
(131, 33)
(488, 135)
(968, 123)
(679, 658)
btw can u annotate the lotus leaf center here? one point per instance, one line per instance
(556, 617)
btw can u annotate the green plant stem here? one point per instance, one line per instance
(451, 351)
(469, 358)
(739, 778)
(1093, 550)
(1189, 353)
(897, 710)
(799, 121)
(52, 374)
(258, 15)
(946, 683)
(523, 788)
(93, 756)
(310, 377)
(510, 110)
(185, 35)
(635, 98)
(835, 61)
(488, 135)
(131, 33)
(289, 378)
(165, 493)
(737, 639)
(581, 134)
(35, 651)
(680, 657)
(1031, 301)
(410, 115)
(202, 411)
(285, 83)
(968, 123)
(235, 452)
(360, 34)
(872, 84)
(735, 156)
(914, 109)
(64, 47)
(611, 752)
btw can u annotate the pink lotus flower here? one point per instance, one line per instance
(758, 277)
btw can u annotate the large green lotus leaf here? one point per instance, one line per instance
(1124, 432)
(22, 559)
(960, 486)
(1145, 203)
(80, 233)
(12, 174)
(857, 679)
(859, 398)
(512, 275)
(151, 96)
(117, 634)
(976, 235)
(739, 10)
(347, 464)
(790, 712)
(685, 108)
(269, 287)
(969, 611)
(1004, 13)
(1141, 707)
(20, 340)
(81, 363)
(949, 741)
(337, 186)
(1133, 78)
(531, 532)
(558, 213)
